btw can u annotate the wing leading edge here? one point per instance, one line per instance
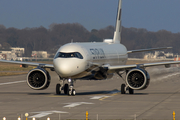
(28, 63)
(126, 67)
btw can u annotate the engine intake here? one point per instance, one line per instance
(137, 79)
(38, 79)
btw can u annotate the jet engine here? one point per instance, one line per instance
(38, 79)
(137, 79)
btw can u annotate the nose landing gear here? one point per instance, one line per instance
(71, 90)
(68, 88)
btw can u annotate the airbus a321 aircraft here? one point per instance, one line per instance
(92, 61)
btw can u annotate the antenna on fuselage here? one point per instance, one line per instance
(117, 32)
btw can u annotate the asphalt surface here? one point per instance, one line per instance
(102, 99)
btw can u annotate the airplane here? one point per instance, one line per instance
(92, 61)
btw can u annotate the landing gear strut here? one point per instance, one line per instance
(68, 88)
(124, 87)
(71, 91)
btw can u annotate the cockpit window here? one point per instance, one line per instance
(69, 55)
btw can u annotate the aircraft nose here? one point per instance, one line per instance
(63, 67)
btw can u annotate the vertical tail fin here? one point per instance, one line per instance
(117, 32)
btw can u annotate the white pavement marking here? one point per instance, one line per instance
(104, 96)
(12, 82)
(76, 104)
(99, 97)
(171, 75)
(45, 113)
(167, 76)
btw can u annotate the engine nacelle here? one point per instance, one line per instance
(38, 79)
(137, 79)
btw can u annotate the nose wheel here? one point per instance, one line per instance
(72, 92)
(68, 88)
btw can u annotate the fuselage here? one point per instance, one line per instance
(79, 60)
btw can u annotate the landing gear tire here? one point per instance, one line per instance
(123, 89)
(66, 89)
(73, 92)
(70, 93)
(58, 89)
(131, 91)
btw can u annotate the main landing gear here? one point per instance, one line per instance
(125, 87)
(68, 88)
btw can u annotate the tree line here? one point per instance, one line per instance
(42, 39)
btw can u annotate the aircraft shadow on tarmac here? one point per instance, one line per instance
(23, 93)
(93, 93)
(39, 93)
(102, 92)
(86, 93)
(89, 93)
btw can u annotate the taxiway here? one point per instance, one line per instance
(101, 99)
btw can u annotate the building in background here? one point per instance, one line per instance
(158, 55)
(11, 54)
(39, 54)
(18, 51)
(7, 54)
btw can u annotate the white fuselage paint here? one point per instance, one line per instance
(94, 54)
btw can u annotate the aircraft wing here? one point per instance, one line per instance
(26, 64)
(150, 49)
(126, 67)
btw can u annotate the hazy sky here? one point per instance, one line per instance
(152, 15)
